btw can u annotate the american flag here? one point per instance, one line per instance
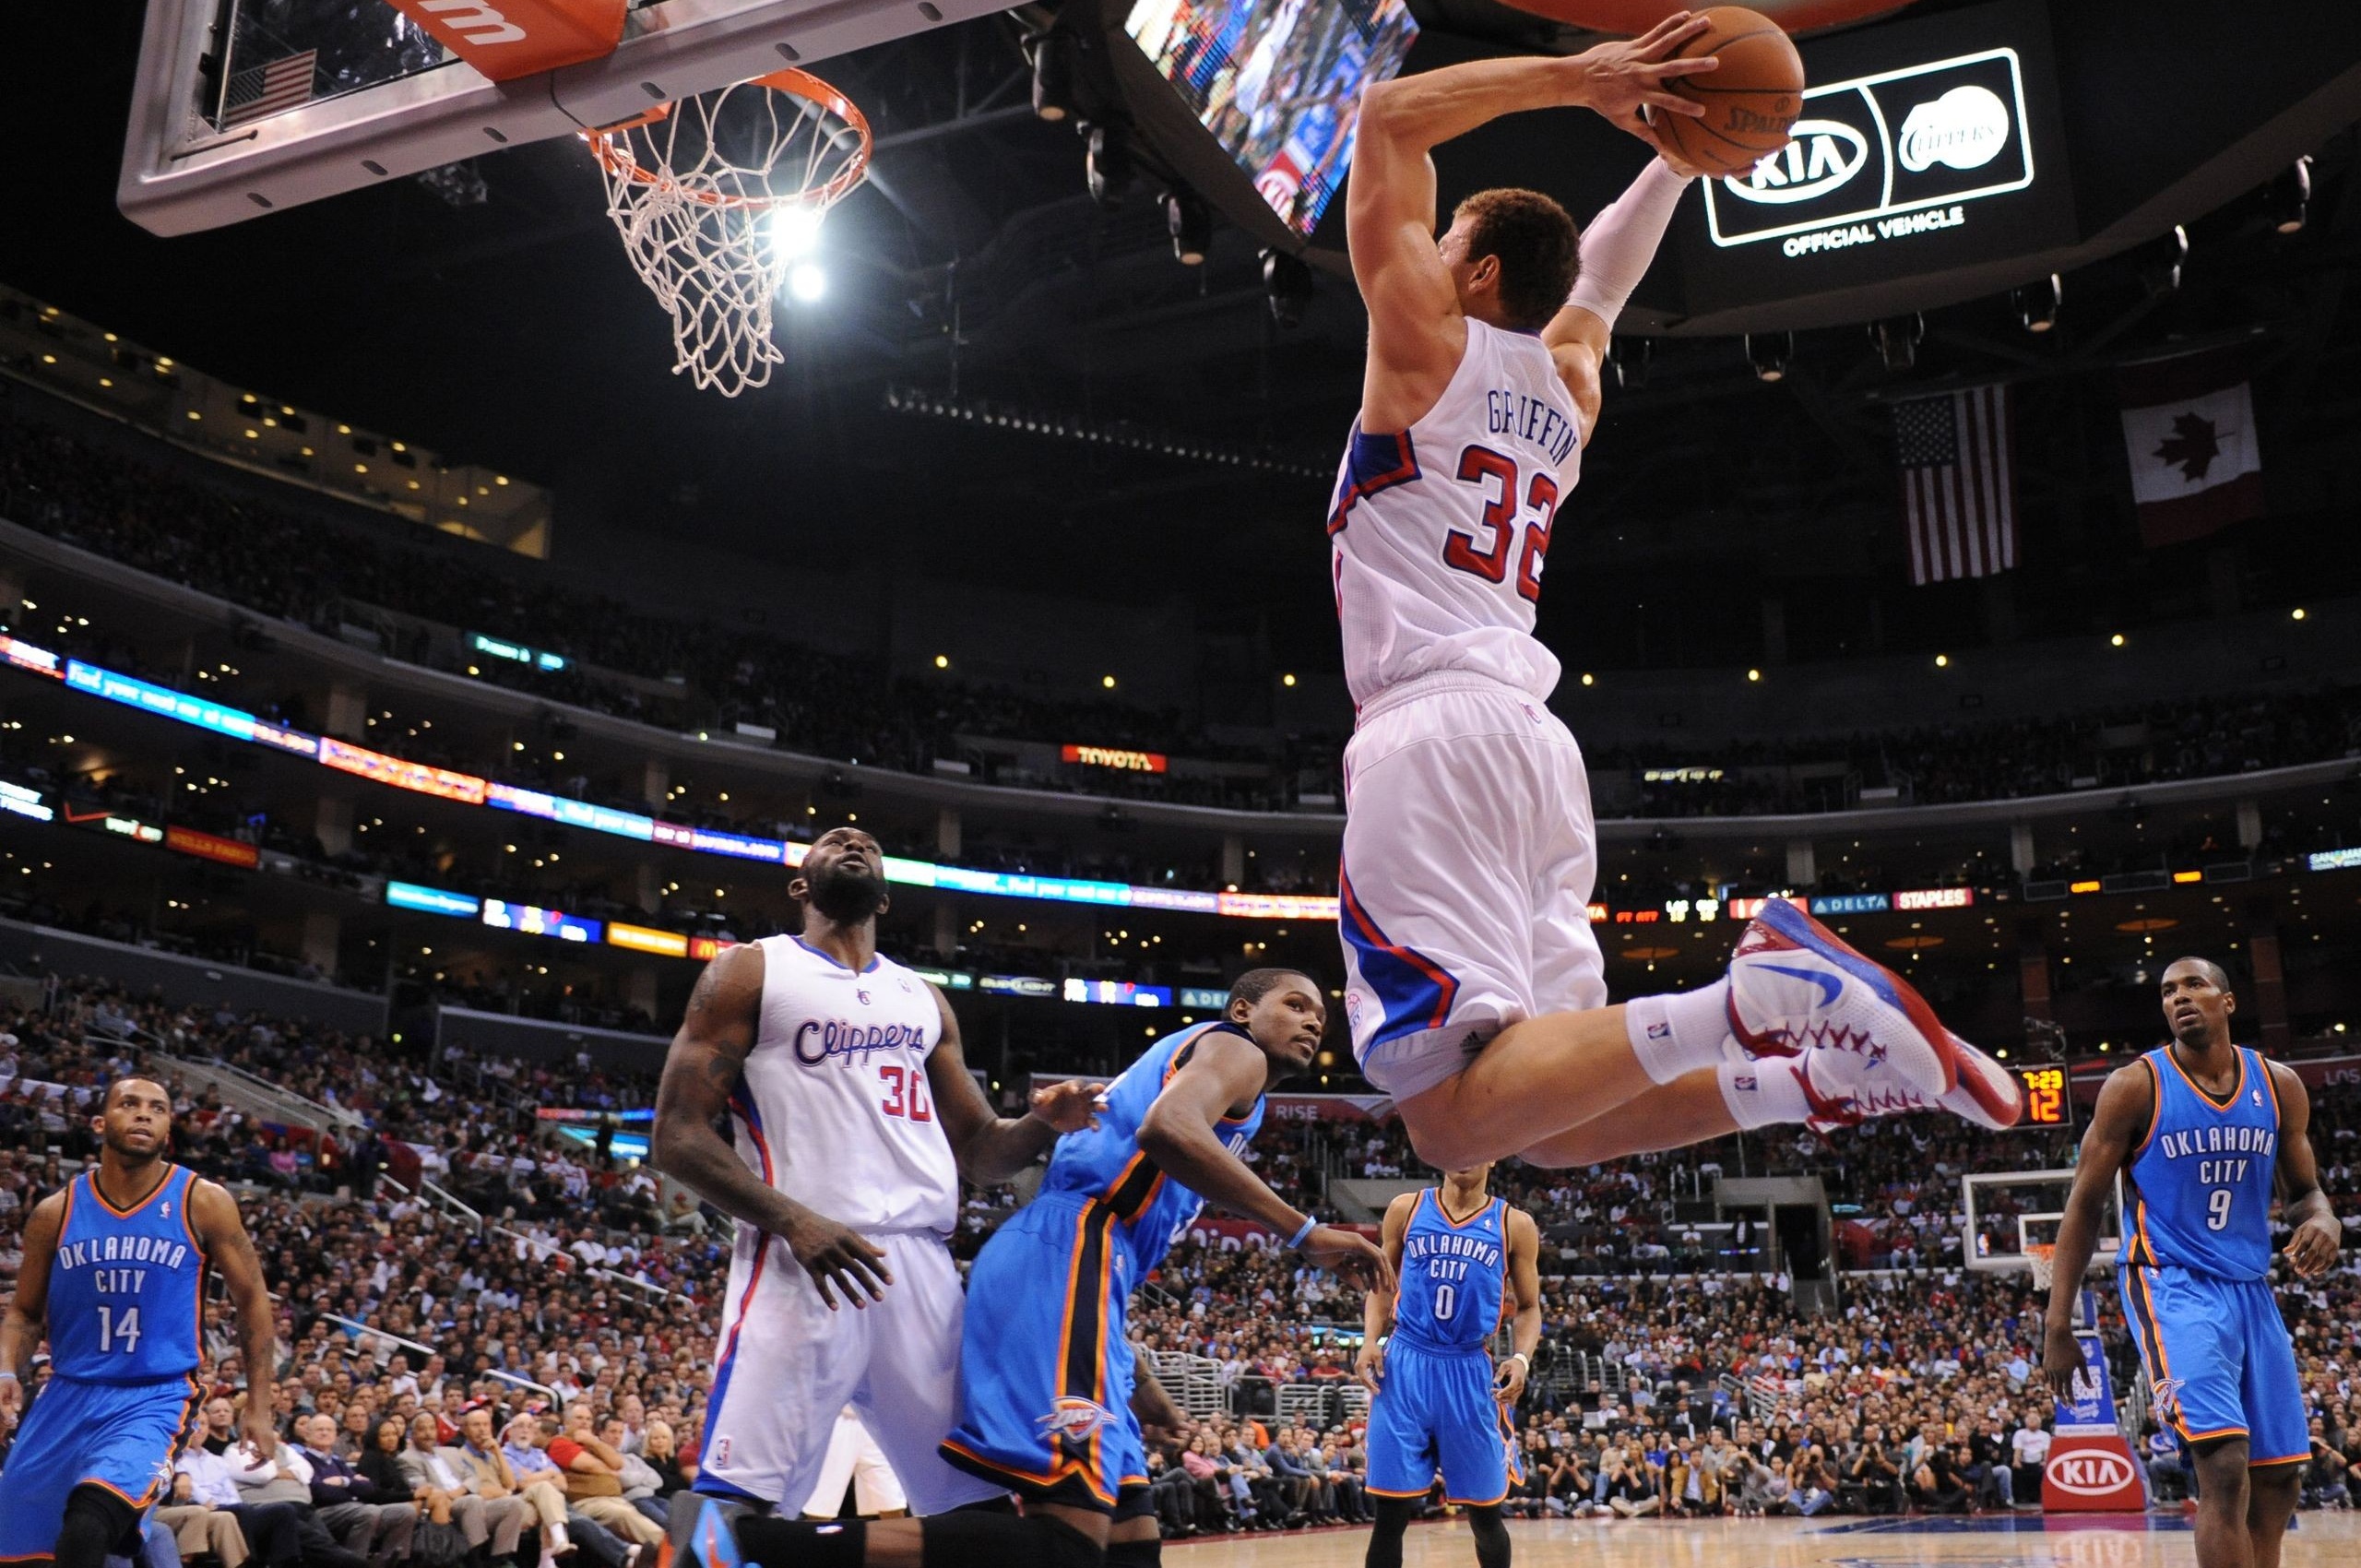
(268, 89)
(1958, 483)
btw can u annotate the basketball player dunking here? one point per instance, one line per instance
(2204, 1133)
(1439, 1408)
(114, 1270)
(1476, 994)
(854, 1117)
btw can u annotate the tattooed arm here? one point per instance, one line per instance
(701, 1071)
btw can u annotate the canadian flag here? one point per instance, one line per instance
(2189, 433)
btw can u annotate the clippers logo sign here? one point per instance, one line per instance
(1883, 157)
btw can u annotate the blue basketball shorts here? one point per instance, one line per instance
(119, 1436)
(2219, 1359)
(1435, 1414)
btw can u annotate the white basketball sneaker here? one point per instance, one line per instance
(1845, 1089)
(1794, 987)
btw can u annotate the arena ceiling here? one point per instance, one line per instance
(491, 315)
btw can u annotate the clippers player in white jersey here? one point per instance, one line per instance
(1476, 994)
(852, 1118)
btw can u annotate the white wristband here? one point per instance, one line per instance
(8, 1375)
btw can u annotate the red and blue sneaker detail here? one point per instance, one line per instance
(1794, 987)
(1844, 1090)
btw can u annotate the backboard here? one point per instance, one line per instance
(246, 107)
(2006, 1211)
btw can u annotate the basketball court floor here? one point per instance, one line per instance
(2091, 1541)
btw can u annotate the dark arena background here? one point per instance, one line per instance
(408, 685)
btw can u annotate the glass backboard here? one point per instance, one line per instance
(246, 107)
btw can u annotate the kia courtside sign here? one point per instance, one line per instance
(1883, 158)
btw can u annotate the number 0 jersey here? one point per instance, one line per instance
(126, 1289)
(2204, 1176)
(1452, 1275)
(832, 1107)
(1438, 532)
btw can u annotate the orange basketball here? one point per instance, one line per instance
(1751, 98)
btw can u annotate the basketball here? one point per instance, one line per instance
(1751, 98)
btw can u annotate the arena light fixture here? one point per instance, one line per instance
(1052, 53)
(1769, 353)
(807, 282)
(1630, 356)
(2161, 260)
(1287, 287)
(1897, 338)
(1107, 166)
(2037, 303)
(1190, 224)
(2290, 196)
(795, 230)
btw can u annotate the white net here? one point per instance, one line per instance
(719, 200)
(2037, 1259)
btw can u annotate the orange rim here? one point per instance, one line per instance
(616, 156)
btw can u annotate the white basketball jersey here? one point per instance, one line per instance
(1439, 531)
(833, 1107)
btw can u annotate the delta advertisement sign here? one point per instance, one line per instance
(1885, 156)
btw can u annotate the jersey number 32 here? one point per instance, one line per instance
(1489, 557)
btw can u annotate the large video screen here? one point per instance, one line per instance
(1278, 82)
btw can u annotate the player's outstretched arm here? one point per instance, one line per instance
(993, 1148)
(20, 1326)
(1525, 1285)
(701, 1070)
(223, 1233)
(1416, 331)
(2127, 1105)
(2317, 1234)
(1378, 1302)
(1225, 1074)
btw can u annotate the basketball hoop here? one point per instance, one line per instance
(719, 199)
(2038, 1256)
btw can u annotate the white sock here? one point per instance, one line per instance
(1680, 1031)
(1764, 1093)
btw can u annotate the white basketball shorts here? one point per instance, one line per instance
(854, 1460)
(1469, 859)
(786, 1366)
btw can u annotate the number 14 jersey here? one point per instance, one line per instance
(1439, 532)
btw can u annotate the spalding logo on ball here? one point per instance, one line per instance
(1751, 97)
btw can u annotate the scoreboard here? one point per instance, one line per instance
(2049, 1097)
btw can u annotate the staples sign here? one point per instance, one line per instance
(1883, 157)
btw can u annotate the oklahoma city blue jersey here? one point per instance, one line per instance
(1451, 1274)
(2204, 1179)
(1105, 1163)
(127, 1286)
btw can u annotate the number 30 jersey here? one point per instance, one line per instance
(2204, 1176)
(126, 1288)
(1452, 1275)
(833, 1107)
(1438, 532)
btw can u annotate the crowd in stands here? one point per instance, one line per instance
(535, 1383)
(302, 567)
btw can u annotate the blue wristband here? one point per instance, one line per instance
(1295, 1243)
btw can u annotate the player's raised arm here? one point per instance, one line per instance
(2127, 1105)
(700, 1071)
(1523, 1238)
(989, 1147)
(2318, 1233)
(1225, 1074)
(1378, 1303)
(1416, 333)
(20, 1326)
(1613, 256)
(231, 1251)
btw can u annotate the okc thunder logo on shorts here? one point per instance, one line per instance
(2165, 1393)
(1074, 1419)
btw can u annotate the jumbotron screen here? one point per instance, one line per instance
(1278, 82)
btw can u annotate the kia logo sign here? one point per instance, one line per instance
(1822, 154)
(1881, 156)
(2091, 1473)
